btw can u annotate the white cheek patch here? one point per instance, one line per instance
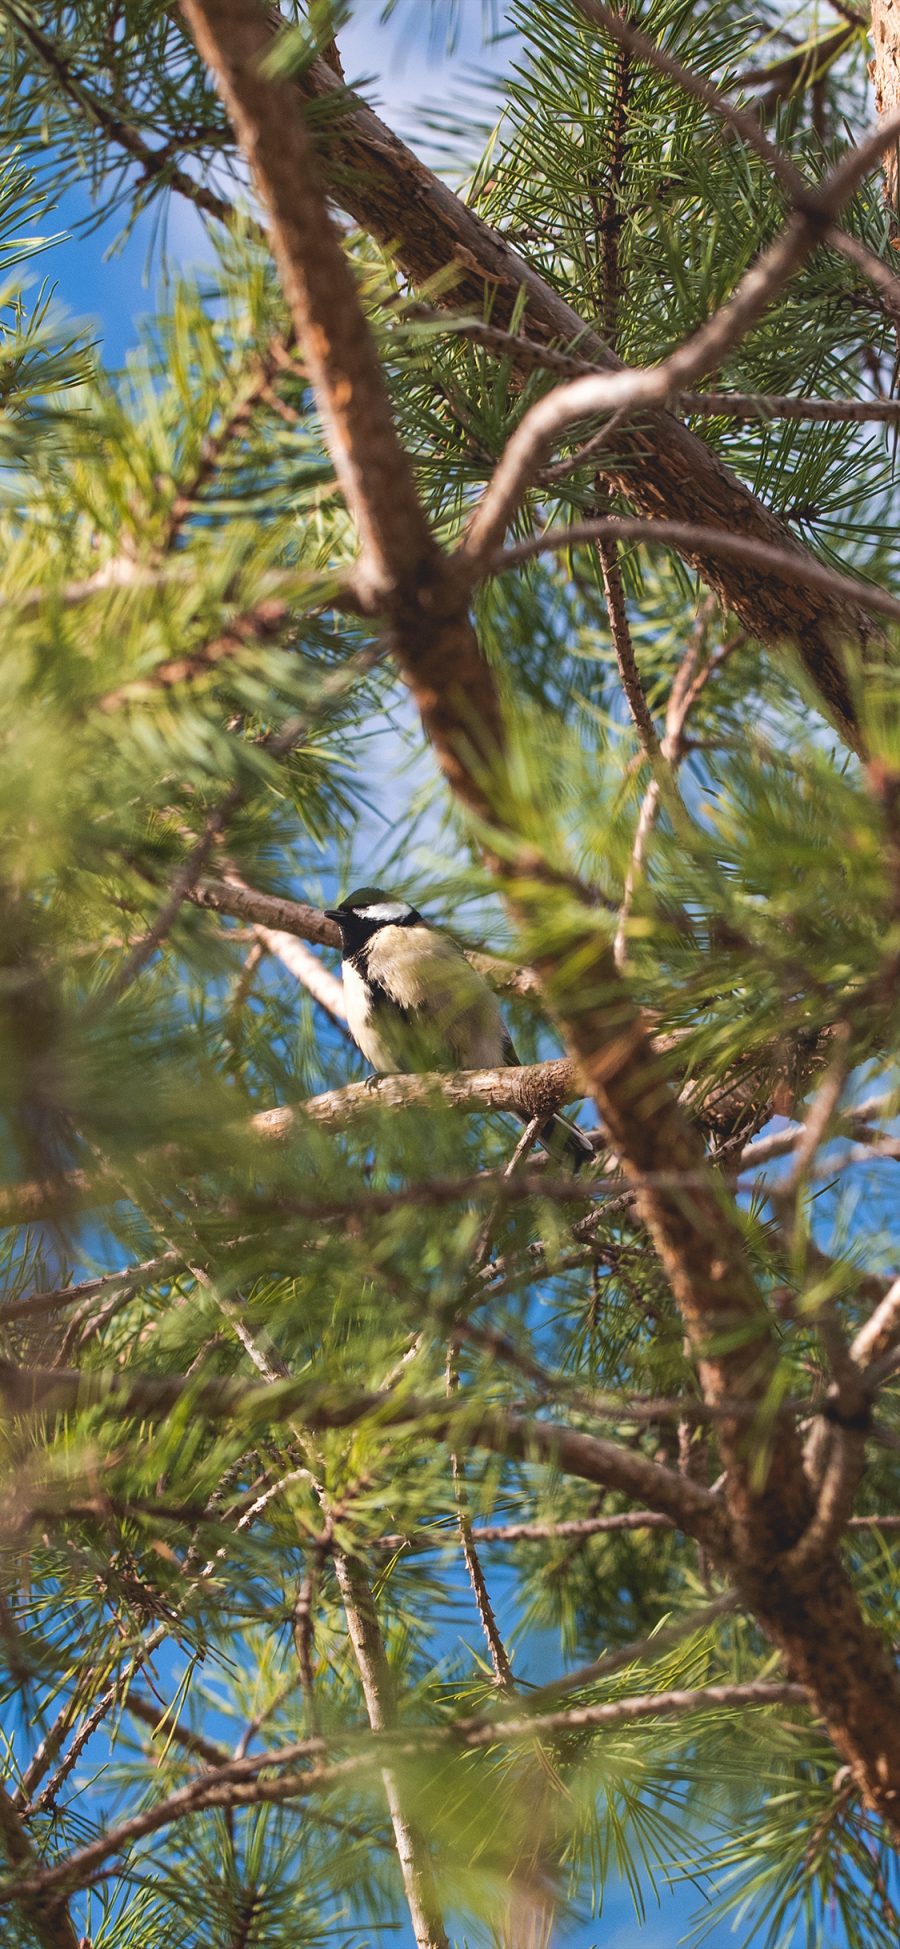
(385, 910)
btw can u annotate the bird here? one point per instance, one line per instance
(414, 1003)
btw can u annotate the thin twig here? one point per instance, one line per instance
(238, 1783)
(779, 562)
(640, 1651)
(155, 164)
(187, 876)
(632, 389)
(725, 405)
(744, 123)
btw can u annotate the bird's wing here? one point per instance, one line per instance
(431, 1007)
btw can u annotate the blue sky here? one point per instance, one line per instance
(112, 288)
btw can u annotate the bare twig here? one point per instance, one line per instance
(155, 164)
(578, 1528)
(787, 566)
(639, 1652)
(237, 1783)
(657, 385)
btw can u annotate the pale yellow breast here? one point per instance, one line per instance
(422, 971)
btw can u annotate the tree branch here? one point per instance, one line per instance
(38, 1305)
(401, 569)
(52, 1391)
(531, 1090)
(633, 388)
(49, 1920)
(378, 1691)
(524, 352)
(666, 470)
(322, 985)
(790, 567)
(237, 1784)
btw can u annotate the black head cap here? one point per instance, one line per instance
(362, 913)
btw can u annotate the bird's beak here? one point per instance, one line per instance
(333, 913)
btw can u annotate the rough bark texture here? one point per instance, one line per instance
(885, 71)
(697, 1237)
(48, 1918)
(668, 470)
(402, 570)
(815, 1619)
(805, 1603)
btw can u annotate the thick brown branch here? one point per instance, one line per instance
(47, 1916)
(55, 1391)
(240, 902)
(402, 569)
(886, 76)
(667, 471)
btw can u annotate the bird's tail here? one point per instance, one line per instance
(559, 1135)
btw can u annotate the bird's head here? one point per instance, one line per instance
(362, 913)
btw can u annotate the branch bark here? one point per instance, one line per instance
(667, 471)
(49, 1919)
(401, 569)
(532, 1090)
(886, 77)
(810, 1611)
(378, 1690)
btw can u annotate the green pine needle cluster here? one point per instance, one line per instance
(188, 694)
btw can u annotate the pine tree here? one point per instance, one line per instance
(573, 485)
